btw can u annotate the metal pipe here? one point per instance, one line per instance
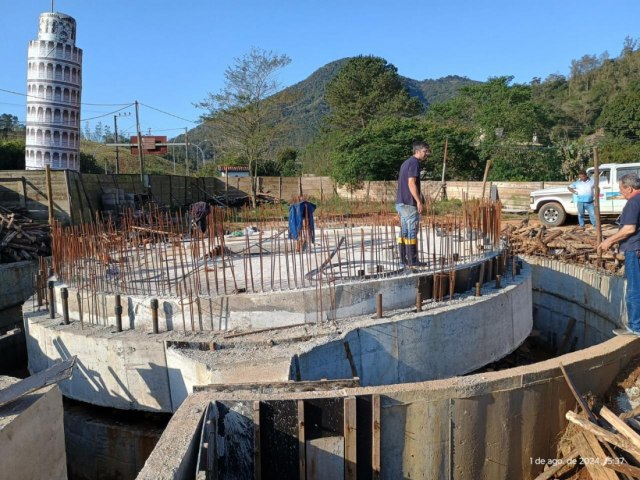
(118, 313)
(64, 293)
(52, 307)
(154, 315)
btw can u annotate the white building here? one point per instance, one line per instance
(54, 86)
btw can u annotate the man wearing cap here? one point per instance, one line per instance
(409, 204)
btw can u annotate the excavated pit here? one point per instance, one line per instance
(488, 424)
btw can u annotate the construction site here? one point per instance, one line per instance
(241, 346)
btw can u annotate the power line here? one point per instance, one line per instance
(167, 113)
(82, 103)
(106, 114)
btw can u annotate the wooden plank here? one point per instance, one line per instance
(624, 468)
(591, 460)
(325, 458)
(375, 436)
(350, 438)
(280, 387)
(619, 424)
(257, 450)
(602, 434)
(302, 454)
(567, 460)
(599, 454)
(587, 410)
(54, 374)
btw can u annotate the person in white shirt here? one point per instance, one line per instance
(582, 190)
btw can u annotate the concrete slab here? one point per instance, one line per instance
(28, 424)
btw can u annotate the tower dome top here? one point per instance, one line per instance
(57, 27)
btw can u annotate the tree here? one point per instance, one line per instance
(287, 159)
(9, 124)
(377, 152)
(621, 116)
(12, 155)
(367, 88)
(248, 119)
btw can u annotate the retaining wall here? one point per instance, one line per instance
(78, 196)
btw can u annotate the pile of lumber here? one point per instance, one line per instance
(605, 444)
(562, 243)
(21, 238)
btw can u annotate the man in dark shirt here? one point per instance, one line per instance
(629, 238)
(409, 204)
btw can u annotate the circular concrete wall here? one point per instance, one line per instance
(135, 369)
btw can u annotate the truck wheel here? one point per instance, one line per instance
(552, 214)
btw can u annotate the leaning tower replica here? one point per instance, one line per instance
(54, 86)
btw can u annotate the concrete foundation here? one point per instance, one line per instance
(17, 284)
(485, 426)
(135, 369)
(32, 435)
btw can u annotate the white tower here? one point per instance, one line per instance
(54, 86)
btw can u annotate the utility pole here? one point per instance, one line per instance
(596, 199)
(140, 154)
(115, 128)
(444, 167)
(186, 150)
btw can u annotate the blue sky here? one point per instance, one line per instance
(169, 54)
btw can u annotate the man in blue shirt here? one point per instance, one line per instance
(409, 204)
(629, 238)
(582, 190)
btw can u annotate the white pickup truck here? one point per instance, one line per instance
(554, 204)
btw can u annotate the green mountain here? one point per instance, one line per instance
(308, 113)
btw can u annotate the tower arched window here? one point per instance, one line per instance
(65, 118)
(67, 74)
(49, 93)
(58, 72)
(47, 115)
(50, 71)
(39, 158)
(56, 116)
(41, 70)
(40, 114)
(74, 78)
(67, 52)
(41, 91)
(56, 139)
(59, 51)
(58, 94)
(65, 139)
(43, 49)
(65, 96)
(73, 119)
(39, 137)
(47, 158)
